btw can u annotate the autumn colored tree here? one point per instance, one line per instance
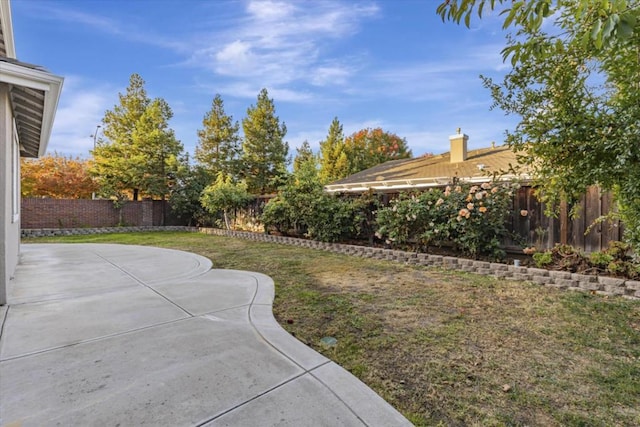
(219, 148)
(57, 177)
(265, 153)
(370, 147)
(139, 151)
(333, 162)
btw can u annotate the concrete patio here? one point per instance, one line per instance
(132, 335)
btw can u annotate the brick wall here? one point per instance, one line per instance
(83, 213)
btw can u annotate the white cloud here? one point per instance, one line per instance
(234, 57)
(81, 108)
(270, 10)
(279, 43)
(330, 75)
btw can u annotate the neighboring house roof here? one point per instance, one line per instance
(34, 92)
(433, 171)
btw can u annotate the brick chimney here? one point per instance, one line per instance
(458, 147)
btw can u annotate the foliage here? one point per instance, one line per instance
(542, 259)
(370, 147)
(616, 260)
(157, 150)
(471, 217)
(225, 196)
(304, 156)
(575, 84)
(185, 194)
(341, 157)
(57, 177)
(604, 22)
(333, 162)
(365, 210)
(219, 148)
(302, 207)
(265, 153)
(139, 152)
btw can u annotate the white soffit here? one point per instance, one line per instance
(34, 94)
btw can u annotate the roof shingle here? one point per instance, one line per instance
(430, 171)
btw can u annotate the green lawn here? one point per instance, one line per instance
(446, 348)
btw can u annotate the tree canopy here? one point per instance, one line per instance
(333, 162)
(139, 151)
(219, 148)
(575, 85)
(341, 157)
(57, 177)
(265, 153)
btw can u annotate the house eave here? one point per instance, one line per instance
(394, 186)
(35, 97)
(6, 28)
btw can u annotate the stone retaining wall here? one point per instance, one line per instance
(48, 232)
(557, 279)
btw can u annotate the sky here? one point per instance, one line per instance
(388, 63)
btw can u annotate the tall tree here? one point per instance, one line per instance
(219, 147)
(304, 156)
(265, 153)
(331, 149)
(575, 84)
(138, 150)
(57, 177)
(157, 149)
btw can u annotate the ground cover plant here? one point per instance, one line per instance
(446, 348)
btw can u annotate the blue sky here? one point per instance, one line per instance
(387, 63)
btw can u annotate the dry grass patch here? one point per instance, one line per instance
(448, 348)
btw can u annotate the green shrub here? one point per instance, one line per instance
(542, 259)
(471, 217)
(600, 259)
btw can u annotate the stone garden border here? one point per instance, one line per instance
(558, 279)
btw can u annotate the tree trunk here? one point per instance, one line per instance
(226, 219)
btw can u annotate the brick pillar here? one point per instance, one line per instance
(147, 213)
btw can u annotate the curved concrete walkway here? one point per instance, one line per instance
(131, 335)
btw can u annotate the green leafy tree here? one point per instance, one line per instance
(113, 155)
(575, 84)
(219, 146)
(157, 150)
(184, 198)
(139, 151)
(225, 196)
(304, 156)
(302, 207)
(333, 161)
(265, 153)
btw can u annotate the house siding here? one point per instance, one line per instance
(10, 223)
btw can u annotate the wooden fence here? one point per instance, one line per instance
(534, 229)
(583, 232)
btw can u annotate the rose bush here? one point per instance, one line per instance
(471, 218)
